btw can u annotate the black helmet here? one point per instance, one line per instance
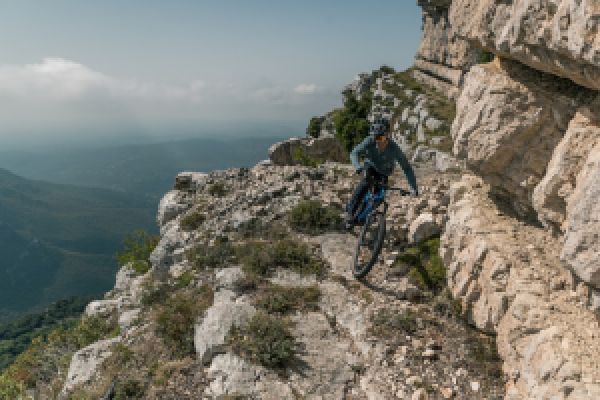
(378, 127)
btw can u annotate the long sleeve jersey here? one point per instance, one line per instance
(384, 161)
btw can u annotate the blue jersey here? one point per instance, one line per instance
(384, 161)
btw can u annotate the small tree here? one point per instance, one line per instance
(137, 247)
(386, 69)
(314, 127)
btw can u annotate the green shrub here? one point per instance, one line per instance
(351, 124)
(303, 159)
(137, 247)
(310, 216)
(314, 127)
(217, 189)
(185, 279)
(427, 268)
(282, 299)
(485, 56)
(193, 221)
(258, 229)
(389, 324)
(266, 340)
(155, 293)
(218, 255)
(11, 388)
(386, 69)
(261, 258)
(129, 389)
(92, 329)
(176, 317)
(47, 355)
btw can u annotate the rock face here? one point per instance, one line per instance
(553, 193)
(558, 37)
(300, 151)
(581, 250)
(510, 280)
(509, 120)
(443, 57)
(523, 230)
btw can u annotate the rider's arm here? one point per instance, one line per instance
(408, 170)
(359, 150)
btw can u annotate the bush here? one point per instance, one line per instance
(303, 159)
(47, 355)
(485, 56)
(314, 127)
(219, 255)
(11, 388)
(310, 216)
(266, 340)
(257, 228)
(387, 69)
(137, 247)
(351, 124)
(193, 221)
(261, 258)
(217, 189)
(155, 294)
(129, 389)
(427, 268)
(175, 319)
(92, 329)
(389, 324)
(282, 299)
(17, 335)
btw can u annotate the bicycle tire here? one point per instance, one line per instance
(360, 271)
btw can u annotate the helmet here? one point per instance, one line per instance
(379, 127)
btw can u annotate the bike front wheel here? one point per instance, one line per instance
(370, 242)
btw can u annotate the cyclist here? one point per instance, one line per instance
(380, 153)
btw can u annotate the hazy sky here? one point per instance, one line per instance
(88, 69)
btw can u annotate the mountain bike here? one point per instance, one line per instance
(371, 215)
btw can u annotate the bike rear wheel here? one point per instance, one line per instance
(370, 242)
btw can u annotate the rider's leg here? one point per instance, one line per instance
(359, 194)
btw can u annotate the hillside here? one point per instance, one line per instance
(60, 240)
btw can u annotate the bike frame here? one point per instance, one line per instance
(372, 201)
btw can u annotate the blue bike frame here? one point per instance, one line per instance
(372, 201)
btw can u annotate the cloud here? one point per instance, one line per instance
(306, 88)
(61, 95)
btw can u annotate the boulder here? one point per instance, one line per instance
(422, 228)
(227, 278)
(294, 151)
(433, 124)
(210, 333)
(101, 308)
(85, 364)
(231, 376)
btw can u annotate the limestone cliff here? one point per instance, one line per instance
(521, 242)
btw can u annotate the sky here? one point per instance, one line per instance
(76, 71)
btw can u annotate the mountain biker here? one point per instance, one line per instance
(380, 153)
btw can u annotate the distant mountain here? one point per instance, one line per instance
(58, 241)
(143, 168)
